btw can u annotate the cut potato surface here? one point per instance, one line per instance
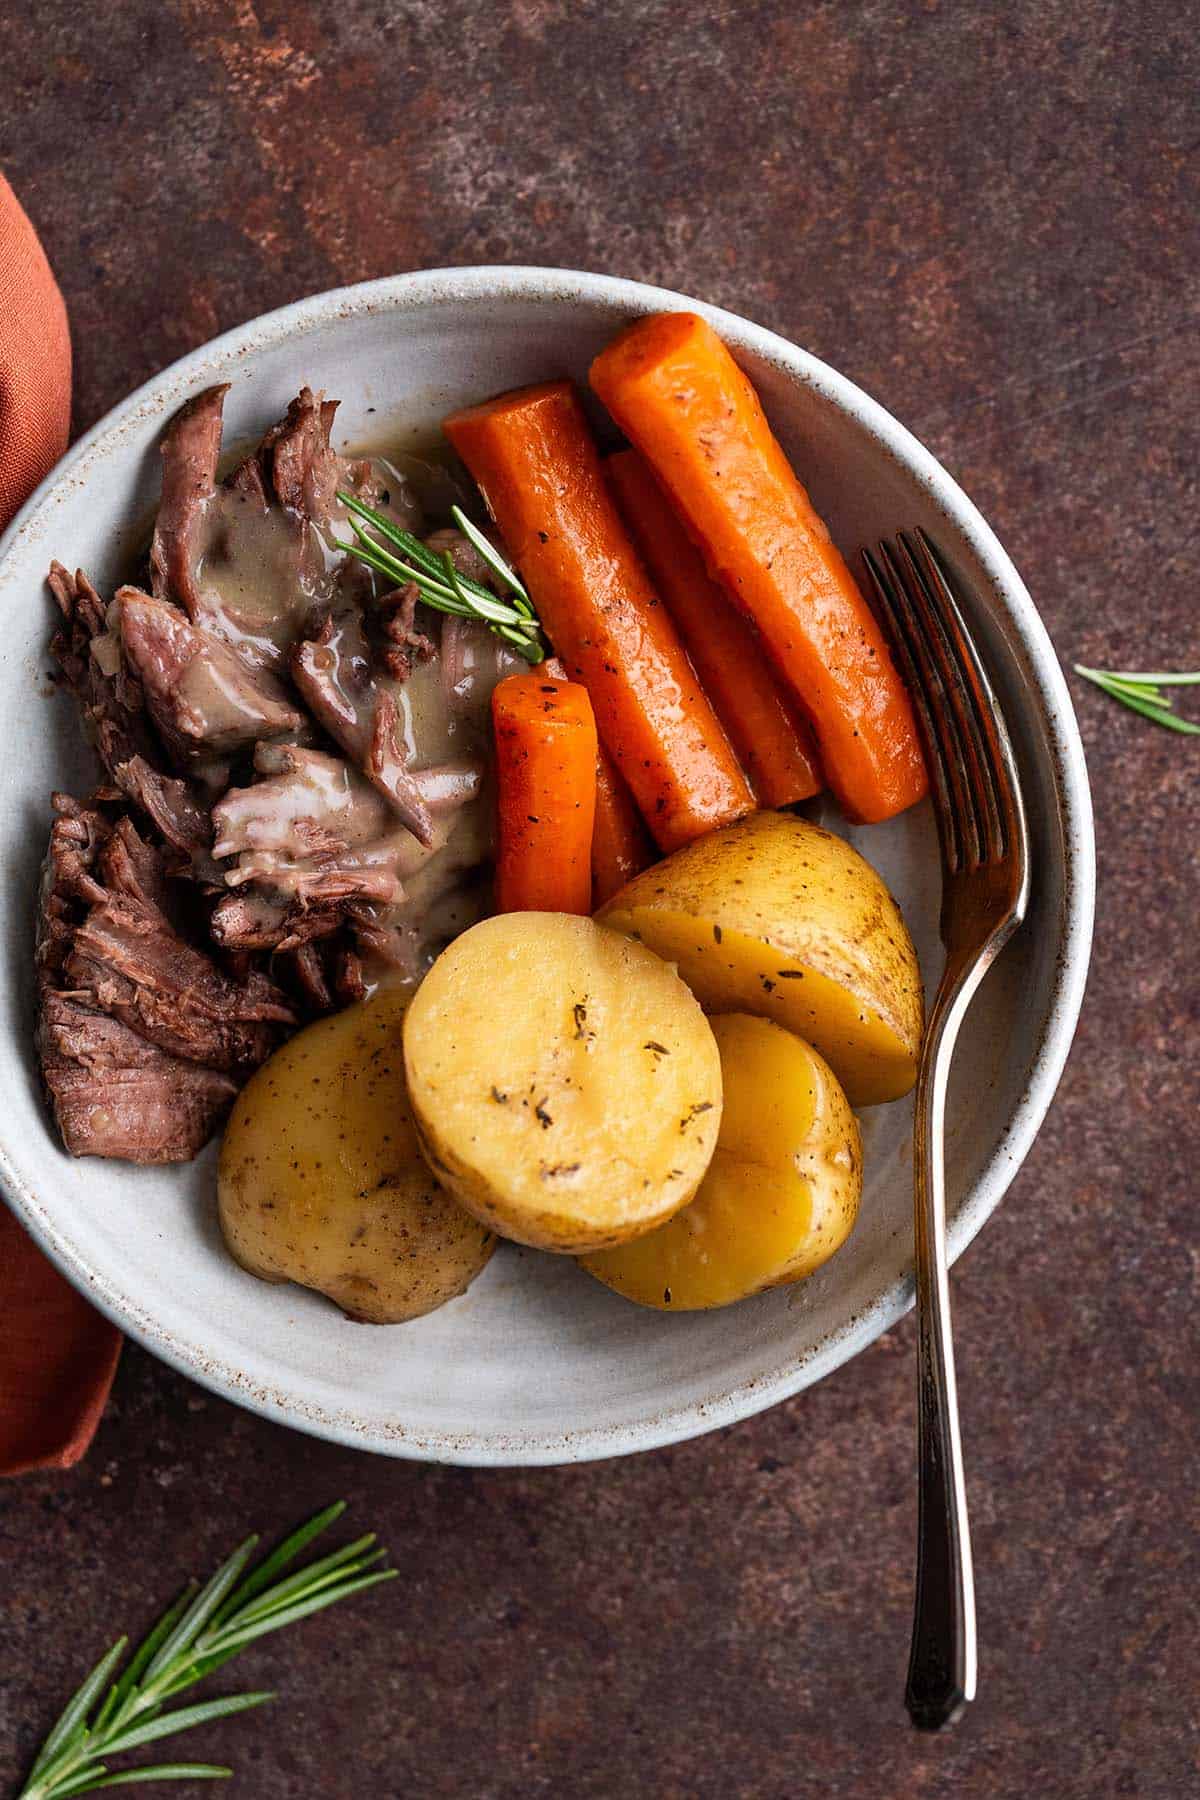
(322, 1180)
(781, 1193)
(566, 1084)
(777, 917)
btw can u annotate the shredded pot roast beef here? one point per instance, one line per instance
(292, 787)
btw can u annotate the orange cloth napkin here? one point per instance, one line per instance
(57, 1355)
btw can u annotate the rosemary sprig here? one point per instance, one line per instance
(111, 1713)
(1143, 693)
(440, 583)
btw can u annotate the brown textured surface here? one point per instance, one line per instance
(987, 216)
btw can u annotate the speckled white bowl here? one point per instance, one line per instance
(537, 1363)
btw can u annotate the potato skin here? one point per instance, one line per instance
(566, 1084)
(322, 1181)
(781, 1193)
(777, 917)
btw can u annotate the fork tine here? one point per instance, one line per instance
(946, 714)
(1001, 762)
(974, 786)
(956, 655)
(939, 719)
(896, 622)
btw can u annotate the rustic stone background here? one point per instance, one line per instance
(986, 215)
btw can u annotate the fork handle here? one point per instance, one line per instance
(941, 1668)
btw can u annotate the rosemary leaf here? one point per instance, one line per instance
(414, 550)
(527, 647)
(1161, 715)
(198, 1669)
(1159, 678)
(1142, 693)
(1121, 684)
(146, 1651)
(70, 1724)
(490, 554)
(265, 1572)
(317, 1574)
(201, 1610)
(82, 1783)
(439, 598)
(152, 1772)
(485, 605)
(183, 1720)
(234, 1634)
(400, 572)
(109, 1707)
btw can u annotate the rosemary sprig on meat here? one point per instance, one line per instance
(1143, 693)
(439, 583)
(208, 1625)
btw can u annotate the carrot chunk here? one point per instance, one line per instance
(534, 459)
(621, 846)
(773, 745)
(546, 794)
(677, 393)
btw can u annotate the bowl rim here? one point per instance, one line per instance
(422, 288)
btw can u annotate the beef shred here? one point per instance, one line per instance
(255, 817)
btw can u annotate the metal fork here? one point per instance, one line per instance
(985, 890)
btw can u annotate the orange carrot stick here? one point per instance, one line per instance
(774, 747)
(532, 454)
(676, 391)
(546, 794)
(621, 846)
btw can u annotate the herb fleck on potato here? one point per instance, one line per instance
(616, 1063)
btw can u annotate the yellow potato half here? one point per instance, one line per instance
(566, 1084)
(322, 1180)
(781, 1193)
(777, 917)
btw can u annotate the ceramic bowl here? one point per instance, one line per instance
(537, 1363)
